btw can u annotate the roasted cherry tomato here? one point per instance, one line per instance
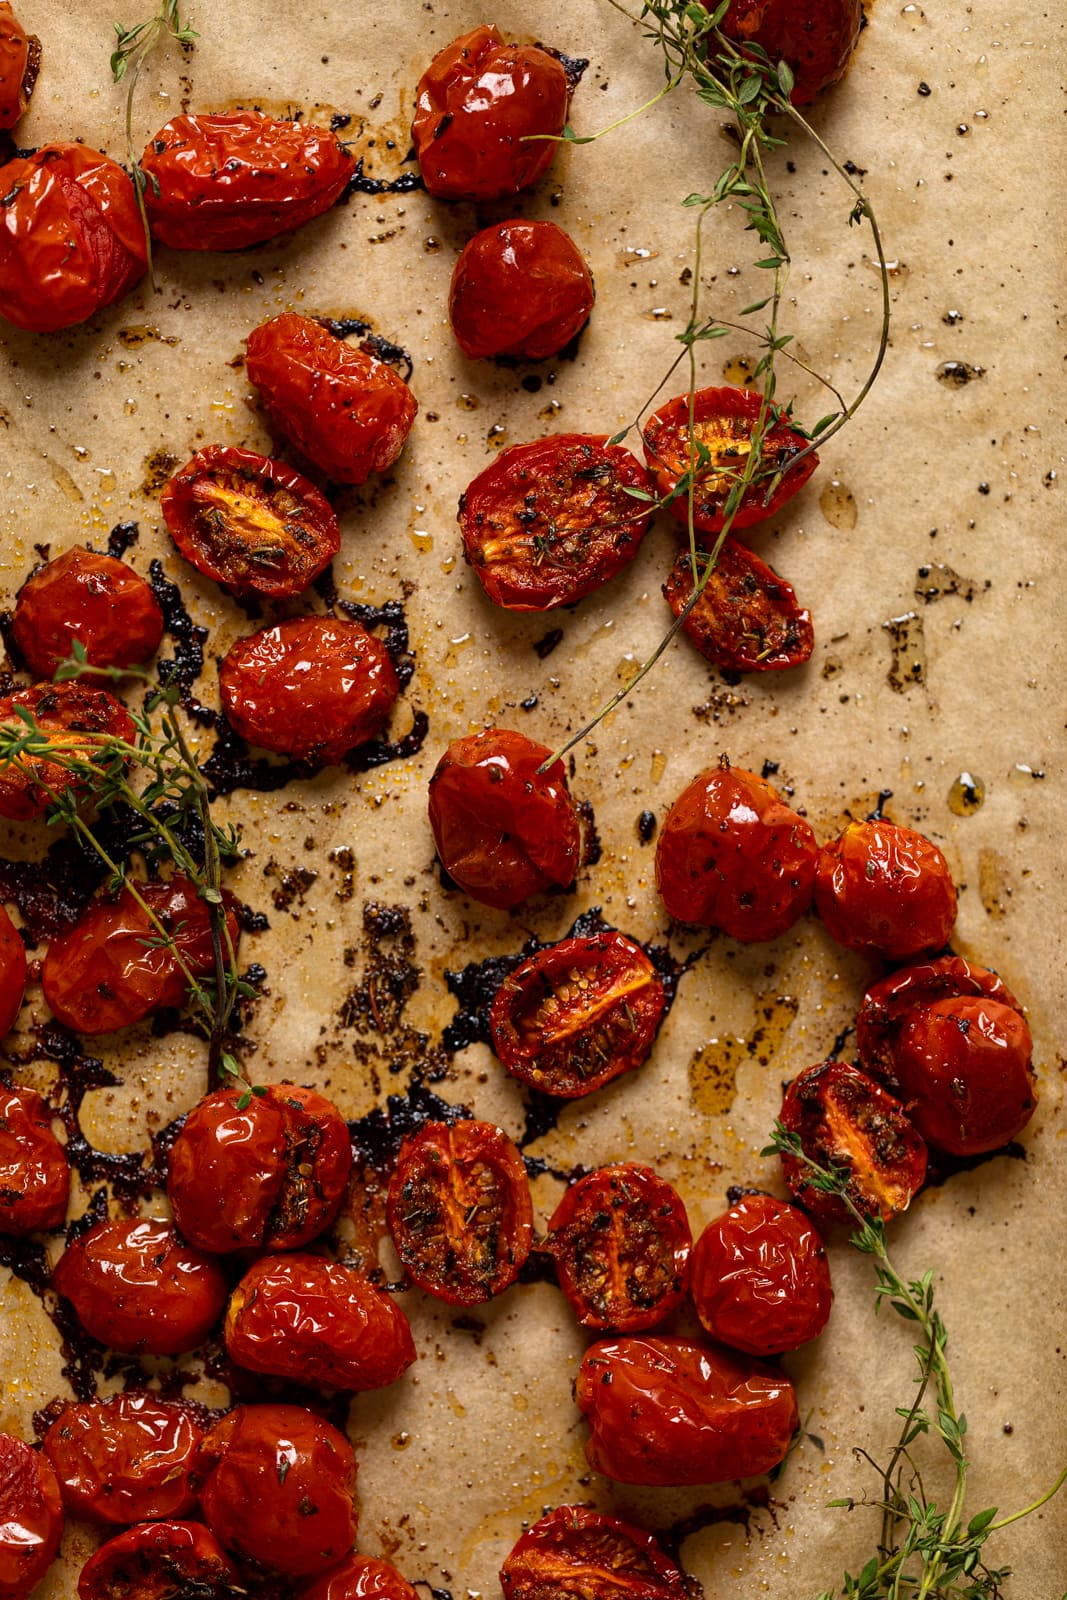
(732, 855)
(98, 601)
(573, 1551)
(312, 688)
(124, 1460)
(747, 618)
(225, 180)
(672, 1412)
(29, 783)
(109, 970)
(349, 413)
(34, 1175)
(815, 37)
(259, 1172)
(519, 289)
(576, 1014)
(723, 420)
(503, 830)
(963, 1066)
(31, 1517)
(20, 61)
(12, 973)
(547, 523)
(460, 1212)
(888, 1004)
(844, 1119)
(254, 525)
(759, 1277)
(487, 115)
(160, 1561)
(138, 1289)
(359, 1578)
(885, 889)
(276, 1486)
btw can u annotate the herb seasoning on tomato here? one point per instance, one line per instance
(759, 1277)
(573, 1551)
(519, 289)
(964, 1072)
(160, 1561)
(100, 602)
(747, 618)
(885, 889)
(34, 1174)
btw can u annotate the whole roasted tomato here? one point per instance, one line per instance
(965, 1075)
(747, 618)
(31, 1517)
(503, 830)
(547, 523)
(160, 1561)
(482, 108)
(575, 1551)
(759, 1277)
(348, 412)
(259, 1171)
(30, 783)
(885, 889)
(138, 1289)
(276, 1486)
(20, 61)
(889, 1003)
(225, 180)
(254, 525)
(359, 1578)
(815, 37)
(12, 973)
(34, 1175)
(71, 240)
(576, 1014)
(732, 855)
(460, 1212)
(124, 1460)
(519, 289)
(672, 1412)
(94, 599)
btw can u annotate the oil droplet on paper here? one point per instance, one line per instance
(739, 370)
(713, 1076)
(966, 795)
(838, 505)
(994, 885)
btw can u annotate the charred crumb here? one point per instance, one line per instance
(573, 66)
(539, 1267)
(187, 663)
(359, 183)
(377, 1137)
(839, 1043)
(371, 343)
(392, 620)
(878, 813)
(738, 1191)
(543, 1112)
(544, 646)
(646, 826)
(252, 921)
(339, 120)
(591, 846)
(123, 536)
(293, 883)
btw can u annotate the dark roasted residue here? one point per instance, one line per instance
(359, 183)
(123, 536)
(573, 66)
(544, 646)
(371, 343)
(187, 663)
(377, 1137)
(591, 846)
(646, 826)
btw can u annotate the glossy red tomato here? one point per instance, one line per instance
(160, 1561)
(312, 688)
(12, 973)
(71, 240)
(259, 1172)
(888, 1004)
(460, 1211)
(575, 1551)
(20, 61)
(225, 180)
(815, 37)
(747, 618)
(127, 1459)
(732, 855)
(34, 1175)
(94, 599)
(672, 1412)
(62, 711)
(138, 1289)
(503, 830)
(964, 1070)
(479, 106)
(519, 289)
(576, 1014)
(31, 1517)
(549, 522)
(759, 1277)
(885, 889)
(276, 1486)
(359, 1578)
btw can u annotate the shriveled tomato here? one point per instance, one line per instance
(888, 1003)
(482, 108)
(31, 1517)
(577, 1014)
(549, 522)
(846, 1120)
(71, 240)
(34, 1174)
(575, 1551)
(12, 973)
(503, 830)
(312, 688)
(965, 1074)
(460, 1212)
(519, 289)
(127, 1459)
(348, 412)
(138, 1289)
(263, 1171)
(20, 61)
(62, 712)
(672, 1412)
(885, 889)
(732, 855)
(94, 599)
(723, 423)
(815, 37)
(224, 180)
(254, 525)
(759, 1277)
(747, 618)
(359, 1578)
(160, 1561)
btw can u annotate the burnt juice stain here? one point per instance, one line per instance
(592, 849)
(123, 536)
(942, 1167)
(377, 1137)
(359, 183)
(706, 1516)
(544, 646)
(573, 66)
(371, 343)
(230, 766)
(187, 663)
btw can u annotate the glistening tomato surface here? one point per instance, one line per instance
(61, 711)
(886, 889)
(815, 37)
(31, 1517)
(20, 59)
(759, 1277)
(94, 599)
(747, 618)
(12, 973)
(519, 289)
(888, 1004)
(34, 1175)
(360, 1578)
(963, 1066)
(573, 1551)
(159, 1561)
(123, 1460)
(547, 523)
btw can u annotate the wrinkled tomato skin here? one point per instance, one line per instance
(460, 1212)
(12, 973)
(124, 1460)
(225, 180)
(478, 107)
(276, 1485)
(20, 60)
(137, 1288)
(747, 618)
(548, 523)
(759, 1277)
(34, 1174)
(886, 890)
(574, 1551)
(312, 688)
(732, 855)
(159, 1561)
(347, 412)
(519, 289)
(844, 1119)
(503, 830)
(31, 1517)
(577, 1014)
(965, 1076)
(670, 1412)
(360, 1578)
(815, 37)
(94, 599)
(60, 709)
(887, 1004)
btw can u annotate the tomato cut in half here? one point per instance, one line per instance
(815, 38)
(31, 1517)
(965, 1074)
(359, 1578)
(460, 1212)
(160, 1561)
(888, 1003)
(549, 522)
(573, 1551)
(20, 62)
(519, 289)
(885, 889)
(90, 598)
(747, 618)
(126, 1459)
(12, 973)
(759, 1277)
(34, 1173)
(61, 712)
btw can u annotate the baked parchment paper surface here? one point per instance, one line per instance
(948, 110)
